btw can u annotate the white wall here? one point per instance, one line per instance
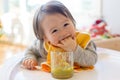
(1, 9)
(111, 13)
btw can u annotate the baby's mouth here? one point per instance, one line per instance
(66, 37)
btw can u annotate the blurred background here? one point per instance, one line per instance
(16, 18)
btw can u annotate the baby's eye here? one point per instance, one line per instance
(54, 31)
(66, 24)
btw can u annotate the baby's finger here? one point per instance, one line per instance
(70, 38)
(25, 61)
(25, 64)
(60, 45)
(32, 64)
(65, 40)
(29, 64)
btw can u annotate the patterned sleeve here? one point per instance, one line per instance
(35, 51)
(86, 57)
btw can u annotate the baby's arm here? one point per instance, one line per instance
(31, 56)
(30, 59)
(86, 57)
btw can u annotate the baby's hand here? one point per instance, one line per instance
(68, 44)
(29, 63)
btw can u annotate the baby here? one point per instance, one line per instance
(55, 29)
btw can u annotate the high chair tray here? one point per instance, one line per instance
(107, 68)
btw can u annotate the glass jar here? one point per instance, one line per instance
(62, 65)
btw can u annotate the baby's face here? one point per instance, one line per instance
(57, 27)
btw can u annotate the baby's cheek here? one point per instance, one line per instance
(54, 40)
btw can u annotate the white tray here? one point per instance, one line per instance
(107, 68)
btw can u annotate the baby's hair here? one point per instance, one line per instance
(51, 7)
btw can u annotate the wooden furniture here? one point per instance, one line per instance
(8, 49)
(113, 43)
